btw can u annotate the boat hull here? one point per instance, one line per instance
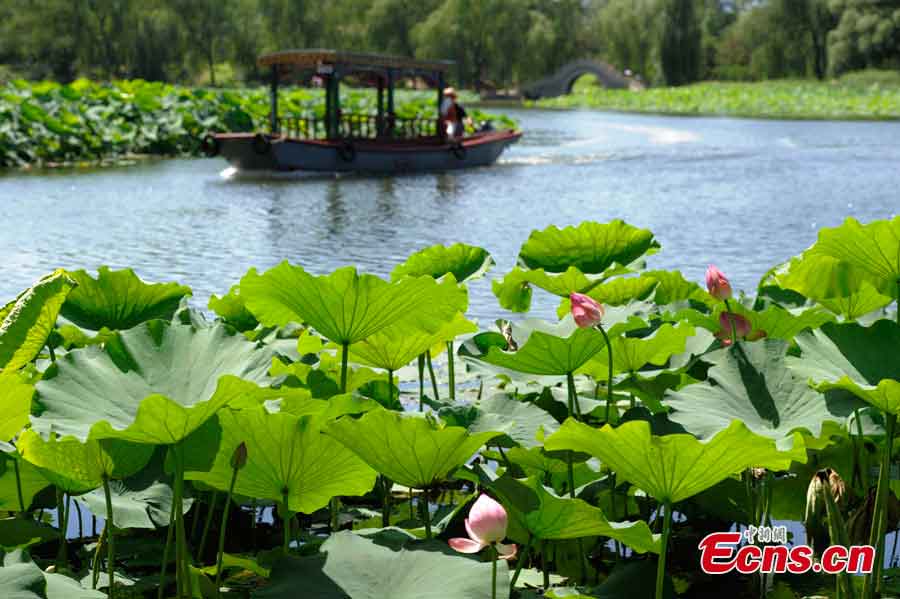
(249, 152)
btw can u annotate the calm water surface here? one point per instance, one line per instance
(743, 194)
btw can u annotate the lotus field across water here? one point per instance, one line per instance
(340, 435)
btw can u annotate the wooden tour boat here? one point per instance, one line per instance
(379, 143)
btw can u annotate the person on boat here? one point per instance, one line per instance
(453, 115)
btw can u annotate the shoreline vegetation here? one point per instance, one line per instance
(872, 96)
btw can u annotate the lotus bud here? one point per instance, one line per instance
(825, 487)
(486, 526)
(717, 283)
(239, 457)
(586, 310)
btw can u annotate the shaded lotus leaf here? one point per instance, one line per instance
(285, 452)
(344, 306)
(155, 383)
(15, 404)
(590, 247)
(671, 467)
(523, 423)
(464, 262)
(861, 360)
(549, 349)
(77, 467)
(411, 450)
(872, 249)
(32, 481)
(350, 565)
(232, 309)
(22, 532)
(631, 354)
(395, 346)
(300, 402)
(26, 323)
(119, 299)
(752, 383)
(539, 513)
(20, 578)
(323, 378)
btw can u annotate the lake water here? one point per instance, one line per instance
(742, 194)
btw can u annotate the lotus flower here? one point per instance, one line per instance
(586, 310)
(717, 283)
(742, 328)
(486, 526)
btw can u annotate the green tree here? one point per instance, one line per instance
(867, 35)
(679, 50)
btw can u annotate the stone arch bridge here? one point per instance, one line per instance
(560, 82)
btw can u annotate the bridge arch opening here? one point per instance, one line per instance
(583, 82)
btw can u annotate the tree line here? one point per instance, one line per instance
(495, 43)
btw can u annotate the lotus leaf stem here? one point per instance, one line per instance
(62, 516)
(110, 539)
(609, 375)
(864, 474)
(412, 516)
(221, 549)
(95, 564)
(80, 523)
(427, 515)
(733, 325)
(345, 358)
(209, 517)
(664, 542)
(165, 559)
(837, 530)
(493, 572)
(523, 557)
(390, 382)
(451, 372)
(421, 364)
(19, 487)
(385, 501)
(434, 385)
(879, 518)
(574, 407)
(286, 518)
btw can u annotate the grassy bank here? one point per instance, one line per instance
(46, 124)
(849, 99)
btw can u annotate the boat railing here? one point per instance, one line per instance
(358, 126)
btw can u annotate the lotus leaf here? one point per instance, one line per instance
(18, 532)
(464, 262)
(286, 454)
(119, 299)
(155, 383)
(410, 450)
(232, 309)
(26, 322)
(673, 467)
(20, 578)
(15, 404)
(523, 423)
(631, 354)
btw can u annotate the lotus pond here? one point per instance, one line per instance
(337, 433)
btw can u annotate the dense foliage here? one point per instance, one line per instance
(653, 396)
(499, 43)
(48, 123)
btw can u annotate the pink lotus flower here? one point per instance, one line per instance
(717, 283)
(742, 328)
(486, 526)
(586, 310)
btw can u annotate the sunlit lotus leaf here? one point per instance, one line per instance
(232, 309)
(539, 513)
(590, 247)
(776, 322)
(344, 306)
(840, 287)
(862, 360)
(119, 299)
(616, 292)
(15, 404)
(631, 354)
(32, 480)
(26, 322)
(514, 290)
(323, 378)
(751, 383)
(410, 450)
(555, 350)
(395, 346)
(673, 287)
(464, 262)
(155, 383)
(671, 467)
(78, 467)
(522, 423)
(350, 565)
(872, 249)
(286, 452)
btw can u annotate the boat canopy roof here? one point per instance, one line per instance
(324, 61)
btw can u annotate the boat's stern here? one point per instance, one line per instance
(244, 151)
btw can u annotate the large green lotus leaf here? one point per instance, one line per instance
(353, 566)
(323, 379)
(344, 306)
(524, 423)
(412, 451)
(20, 578)
(631, 354)
(862, 360)
(671, 467)
(872, 249)
(616, 292)
(673, 287)
(541, 514)
(285, 451)
(752, 383)
(31, 479)
(776, 322)
(15, 404)
(464, 262)
(514, 290)
(18, 532)
(155, 383)
(77, 467)
(26, 323)
(232, 309)
(591, 247)
(119, 299)
(556, 350)
(395, 346)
